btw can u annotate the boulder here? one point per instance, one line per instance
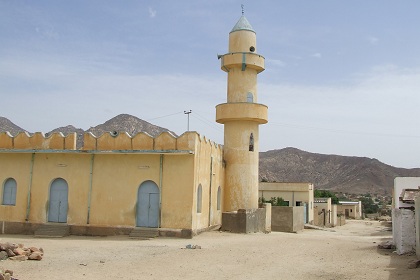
(10, 252)
(3, 256)
(36, 256)
(19, 251)
(19, 258)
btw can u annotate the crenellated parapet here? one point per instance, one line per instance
(38, 141)
(109, 141)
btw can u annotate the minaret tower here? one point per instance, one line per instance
(241, 116)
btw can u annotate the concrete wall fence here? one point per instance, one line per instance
(287, 219)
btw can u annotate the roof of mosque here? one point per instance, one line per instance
(242, 24)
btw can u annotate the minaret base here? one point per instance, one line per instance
(248, 220)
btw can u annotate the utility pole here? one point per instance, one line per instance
(188, 114)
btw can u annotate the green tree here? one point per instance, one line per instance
(325, 193)
(368, 206)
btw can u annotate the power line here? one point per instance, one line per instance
(209, 123)
(164, 116)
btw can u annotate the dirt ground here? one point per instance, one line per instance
(347, 252)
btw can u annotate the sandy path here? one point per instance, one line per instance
(348, 253)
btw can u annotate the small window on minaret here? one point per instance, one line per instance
(251, 143)
(250, 97)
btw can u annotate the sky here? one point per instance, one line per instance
(342, 77)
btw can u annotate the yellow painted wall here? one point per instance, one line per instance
(116, 179)
(16, 166)
(75, 169)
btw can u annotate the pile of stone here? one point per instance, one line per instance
(18, 252)
(6, 275)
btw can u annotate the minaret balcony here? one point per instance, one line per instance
(242, 111)
(242, 60)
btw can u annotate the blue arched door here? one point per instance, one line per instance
(57, 210)
(148, 205)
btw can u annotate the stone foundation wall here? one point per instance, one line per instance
(30, 228)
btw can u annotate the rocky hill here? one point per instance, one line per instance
(120, 123)
(7, 125)
(331, 172)
(127, 123)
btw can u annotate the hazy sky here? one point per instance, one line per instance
(342, 77)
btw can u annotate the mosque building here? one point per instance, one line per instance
(122, 184)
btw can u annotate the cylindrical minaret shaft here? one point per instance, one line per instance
(241, 116)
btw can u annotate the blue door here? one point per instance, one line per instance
(57, 211)
(148, 205)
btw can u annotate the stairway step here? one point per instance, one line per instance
(144, 233)
(52, 230)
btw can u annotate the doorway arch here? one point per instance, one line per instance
(148, 205)
(58, 205)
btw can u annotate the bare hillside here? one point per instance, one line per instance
(332, 172)
(7, 125)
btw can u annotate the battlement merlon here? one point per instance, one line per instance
(165, 142)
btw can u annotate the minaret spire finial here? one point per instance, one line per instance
(242, 6)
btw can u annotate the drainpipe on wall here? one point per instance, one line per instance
(90, 188)
(28, 208)
(211, 177)
(160, 187)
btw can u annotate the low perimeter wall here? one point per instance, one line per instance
(404, 230)
(418, 227)
(287, 219)
(245, 221)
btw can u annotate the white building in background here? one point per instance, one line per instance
(403, 214)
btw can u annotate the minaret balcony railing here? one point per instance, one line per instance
(242, 111)
(242, 60)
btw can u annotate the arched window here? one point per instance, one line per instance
(251, 142)
(219, 197)
(250, 97)
(199, 198)
(9, 192)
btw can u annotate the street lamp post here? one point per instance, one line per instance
(188, 121)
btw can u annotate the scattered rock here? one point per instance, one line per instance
(37, 256)
(3, 256)
(386, 245)
(10, 252)
(19, 258)
(189, 246)
(414, 264)
(19, 252)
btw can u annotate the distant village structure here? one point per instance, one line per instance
(131, 184)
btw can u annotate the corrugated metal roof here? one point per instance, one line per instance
(409, 195)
